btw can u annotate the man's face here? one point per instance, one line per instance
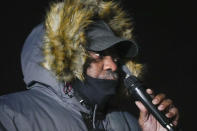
(103, 65)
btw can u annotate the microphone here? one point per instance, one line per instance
(139, 93)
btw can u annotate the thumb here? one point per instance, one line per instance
(143, 110)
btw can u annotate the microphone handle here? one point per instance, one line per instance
(139, 93)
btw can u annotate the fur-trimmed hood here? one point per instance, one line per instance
(65, 39)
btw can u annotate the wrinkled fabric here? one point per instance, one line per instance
(44, 106)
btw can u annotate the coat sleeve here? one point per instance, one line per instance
(6, 123)
(6, 120)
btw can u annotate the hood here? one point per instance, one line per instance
(55, 50)
(65, 37)
(31, 58)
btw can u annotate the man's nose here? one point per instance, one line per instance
(109, 64)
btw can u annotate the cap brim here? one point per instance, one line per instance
(127, 48)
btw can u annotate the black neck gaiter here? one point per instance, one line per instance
(95, 91)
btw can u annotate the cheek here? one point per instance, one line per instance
(94, 70)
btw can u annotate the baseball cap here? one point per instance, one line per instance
(100, 37)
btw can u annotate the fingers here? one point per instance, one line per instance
(150, 92)
(166, 105)
(141, 107)
(158, 98)
(173, 113)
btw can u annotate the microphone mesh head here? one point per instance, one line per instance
(132, 82)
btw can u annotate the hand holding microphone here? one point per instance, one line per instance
(151, 118)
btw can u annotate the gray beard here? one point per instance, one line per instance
(109, 75)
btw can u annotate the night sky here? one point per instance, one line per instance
(164, 31)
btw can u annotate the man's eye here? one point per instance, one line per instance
(116, 59)
(97, 54)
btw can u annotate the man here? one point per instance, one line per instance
(72, 65)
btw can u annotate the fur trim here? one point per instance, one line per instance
(65, 40)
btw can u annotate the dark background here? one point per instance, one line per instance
(165, 33)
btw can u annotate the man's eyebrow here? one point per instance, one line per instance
(111, 52)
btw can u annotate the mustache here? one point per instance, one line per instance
(109, 74)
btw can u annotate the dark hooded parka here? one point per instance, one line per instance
(53, 55)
